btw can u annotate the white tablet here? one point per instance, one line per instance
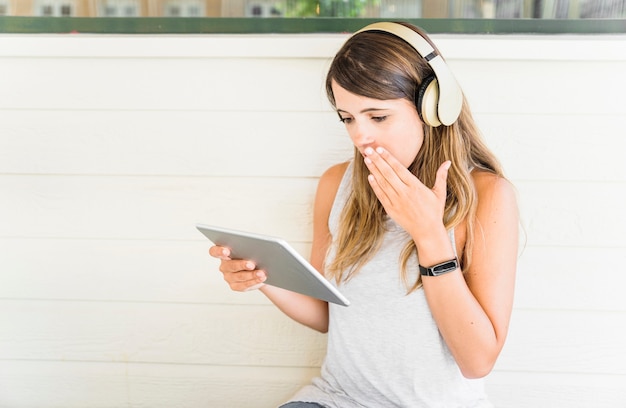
(284, 267)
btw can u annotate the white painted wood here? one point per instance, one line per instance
(113, 147)
(242, 144)
(557, 147)
(520, 87)
(117, 270)
(182, 272)
(259, 336)
(38, 384)
(561, 278)
(586, 214)
(496, 86)
(601, 47)
(543, 87)
(31, 384)
(224, 335)
(196, 143)
(553, 341)
(169, 207)
(153, 207)
(548, 390)
(164, 84)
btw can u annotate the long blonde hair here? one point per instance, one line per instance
(382, 66)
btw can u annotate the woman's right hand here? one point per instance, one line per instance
(240, 274)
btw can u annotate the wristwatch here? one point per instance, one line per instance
(440, 269)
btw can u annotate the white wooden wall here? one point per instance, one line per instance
(113, 147)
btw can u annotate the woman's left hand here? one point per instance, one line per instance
(415, 207)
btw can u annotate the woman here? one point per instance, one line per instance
(422, 185)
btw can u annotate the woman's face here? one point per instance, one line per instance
(392, 124)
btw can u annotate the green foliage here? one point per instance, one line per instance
(328, 8)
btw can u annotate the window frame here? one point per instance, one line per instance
(57, 8)
(244, 25)
(7, 5)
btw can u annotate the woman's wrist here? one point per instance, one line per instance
(434, 248)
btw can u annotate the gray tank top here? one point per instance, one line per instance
(385, 350)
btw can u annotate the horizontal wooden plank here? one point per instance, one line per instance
(171, 84)
(117, 270)
(549, 390)
(549, 278)
(153, 207)
(291, 84)
(553, 213)
(543, 87)
(582, 214)
(555, 147)
(156, 333)
(568, 342)
(291, 144)
(39, 384)
(174, 46)
(562, 278)
(28, 384)
(321, 45)
(255, 335)
(189, 143)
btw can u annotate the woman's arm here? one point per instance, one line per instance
(473, 309)
(242, 275)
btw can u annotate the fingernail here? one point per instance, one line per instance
(367, 160)
(379, 150)
(249, 265)
(260, 274)
(225, 252)
(369, 150)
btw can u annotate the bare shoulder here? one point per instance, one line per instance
(494, 191)
(326, 191)
(335, 172)
(497, 206)
(330, 180)
(496, 232)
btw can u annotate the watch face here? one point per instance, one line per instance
(440, 269)
(444, 267)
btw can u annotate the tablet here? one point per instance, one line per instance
(284, 267)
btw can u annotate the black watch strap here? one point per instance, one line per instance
(441, 268)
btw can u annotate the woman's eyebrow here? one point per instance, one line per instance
(364, 110)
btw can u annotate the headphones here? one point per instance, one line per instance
(439, 98)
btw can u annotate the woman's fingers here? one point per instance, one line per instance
(441, 180)
(242, 279)
(385, 165)
(240, 274)
(389, 179)
(219, 252)
(406, 199)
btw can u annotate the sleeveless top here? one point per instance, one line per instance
(384, 350)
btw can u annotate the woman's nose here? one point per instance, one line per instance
(361, 137)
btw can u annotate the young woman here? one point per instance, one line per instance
(419, 230)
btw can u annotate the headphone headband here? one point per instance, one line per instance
(450, 97)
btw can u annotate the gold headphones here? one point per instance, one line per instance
(439, 98)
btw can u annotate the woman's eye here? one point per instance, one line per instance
(379, 118)
(345, 120)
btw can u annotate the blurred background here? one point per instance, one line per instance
(569, 9)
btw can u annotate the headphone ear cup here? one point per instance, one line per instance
(427, 101)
